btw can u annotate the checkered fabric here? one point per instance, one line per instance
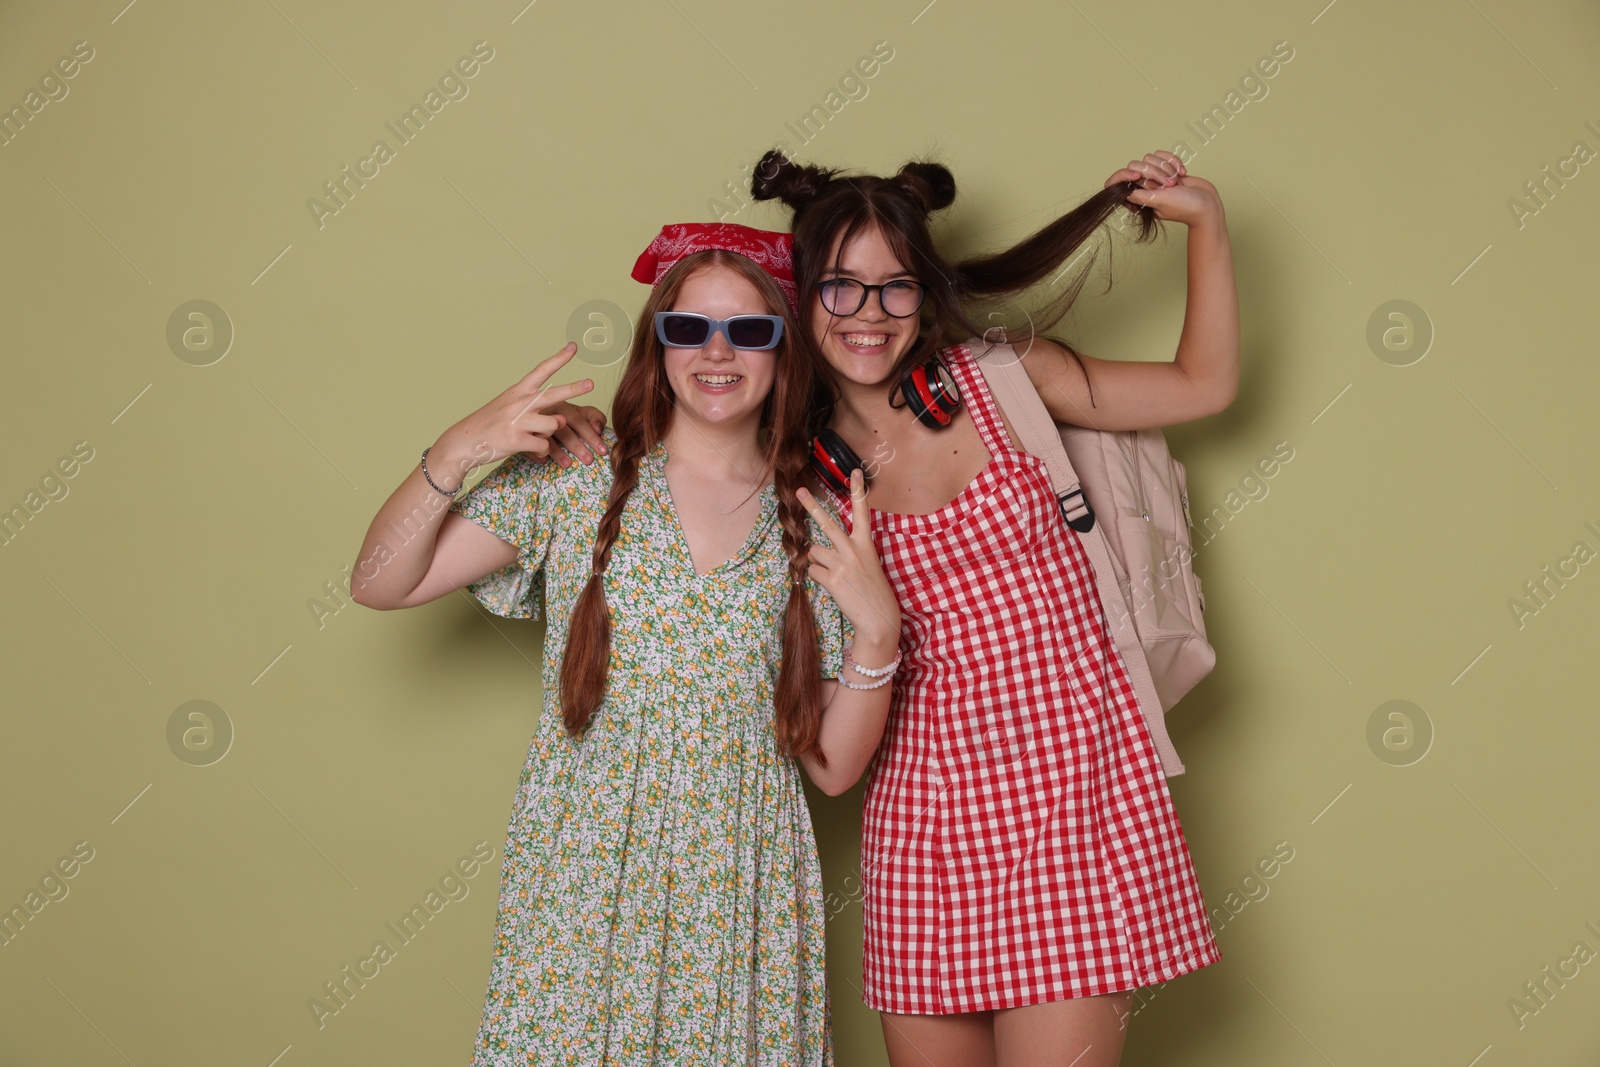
(1019, 844)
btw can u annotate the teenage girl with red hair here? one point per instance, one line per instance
(660, 895)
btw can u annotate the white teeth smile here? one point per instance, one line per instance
(868, 340)
(718, 379)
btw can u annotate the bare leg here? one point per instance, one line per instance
(1085, 1032)
(965, 1040)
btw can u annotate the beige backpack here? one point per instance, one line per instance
(1128, 500)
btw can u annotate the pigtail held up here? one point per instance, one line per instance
(831, 207)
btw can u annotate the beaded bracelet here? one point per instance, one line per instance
(884, 675)
(848, 684)
(451, 493)
(870, 672)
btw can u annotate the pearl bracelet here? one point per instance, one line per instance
(884, 675)
(870, 672)
(848, 684)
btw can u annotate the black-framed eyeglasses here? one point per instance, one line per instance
(750, 333)
(899, 299)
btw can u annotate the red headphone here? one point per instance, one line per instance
(931, 394)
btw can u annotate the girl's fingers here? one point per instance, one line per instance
(597, 423)
(556, 394)
(1160, 160)
(541, 425)
(824, 522)
(860, 532)
(837, 584)
(570, 438)
(1167, 167)
(589, 435)
(1128, 174)
(1152, 177)
(822, 556)
(540, 403)
(1154, 169)
(541, 374)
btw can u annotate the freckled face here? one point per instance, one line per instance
(863, 346)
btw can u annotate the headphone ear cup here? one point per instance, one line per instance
(832, 461)
(931, 393)
(947, 394)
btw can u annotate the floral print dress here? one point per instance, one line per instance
(660, 896)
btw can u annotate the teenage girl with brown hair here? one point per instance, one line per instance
(1023, 865)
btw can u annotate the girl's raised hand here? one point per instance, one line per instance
(849, 569)
(521, 419)
(1167, 188)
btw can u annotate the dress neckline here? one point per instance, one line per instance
(653, 474)
(942, 516)
(980, 408)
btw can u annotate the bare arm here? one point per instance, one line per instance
(853, 719)
(1203, 377)
(416, 550)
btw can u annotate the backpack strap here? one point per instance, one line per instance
(1014, 392)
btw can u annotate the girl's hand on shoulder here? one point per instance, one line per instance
(524, 418)
(849, 569)
(1168, 189)
(580, 438)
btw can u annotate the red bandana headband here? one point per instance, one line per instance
(771, 251)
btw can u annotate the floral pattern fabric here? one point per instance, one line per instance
(660, 896)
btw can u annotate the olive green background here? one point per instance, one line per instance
(1433, 474)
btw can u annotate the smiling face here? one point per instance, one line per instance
(717, 383)
(862, 346)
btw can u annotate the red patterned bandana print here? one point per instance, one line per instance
(771, 251)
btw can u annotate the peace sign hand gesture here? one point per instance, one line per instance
(849, 569)
(518, 420)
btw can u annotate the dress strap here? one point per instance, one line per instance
(977, 398)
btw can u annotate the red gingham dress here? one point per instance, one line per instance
(1019, 844)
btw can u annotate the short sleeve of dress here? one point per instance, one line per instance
(506, 503)
(833, 629)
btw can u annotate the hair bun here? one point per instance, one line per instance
(931, 183)
(777, 177)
